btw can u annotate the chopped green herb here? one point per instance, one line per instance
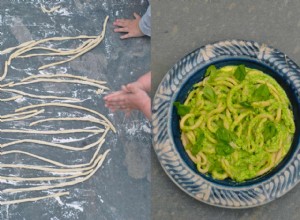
(209, 93)
(210, 70)
(269, 130)
(223, 149)
(182, 109)
(240, 73)
(246, 104)
(225, 135)
(262, 93)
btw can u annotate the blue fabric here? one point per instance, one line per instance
(145, 22)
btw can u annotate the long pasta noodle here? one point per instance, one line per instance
(234, 123)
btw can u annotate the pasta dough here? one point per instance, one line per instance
(33, 199)
(57, 171)
(29, 46)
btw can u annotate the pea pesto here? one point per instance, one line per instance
(237, 123)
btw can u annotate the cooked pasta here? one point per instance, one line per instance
(237, 123)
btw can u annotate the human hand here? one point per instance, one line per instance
(129, 26)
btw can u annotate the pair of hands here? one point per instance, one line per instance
(129, 26)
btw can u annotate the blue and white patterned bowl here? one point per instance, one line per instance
(166, 135)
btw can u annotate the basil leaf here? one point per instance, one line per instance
(246, 104)
(223, 149)
(240, 73)
(199, 143)
(210, 70)
(181, 109)
(262, 93)
(224, 135)
(209, 93)
(269, 130)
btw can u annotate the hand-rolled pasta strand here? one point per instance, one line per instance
(39, 96)
(55, 52)
(11, 98)
(17, 114)
(69, 106)
(23, 117)
(44, 178)
(46, 132)
(65, 75)
(59, 185)
(64, 171)
(10, 49)
(60, 81)
(49, 10)
(26, 47)
(62, 146)
(93, 120)
(34, 199)
(89, 47)
(52, 161)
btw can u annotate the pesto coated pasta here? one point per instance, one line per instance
(237, 123)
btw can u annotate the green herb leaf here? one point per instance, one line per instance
(225, 135)
(181, 109)
(262, 93)
(223, 149)
(209, 93)
(210, 70)
(246, 104)
(269, 130)
(199, 143)
(240, 73)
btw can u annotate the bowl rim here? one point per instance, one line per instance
(180, 173)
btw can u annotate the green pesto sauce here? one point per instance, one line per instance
(246, 127)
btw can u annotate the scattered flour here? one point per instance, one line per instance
(76, 205)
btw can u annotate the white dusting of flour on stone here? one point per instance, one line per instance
(76, 205)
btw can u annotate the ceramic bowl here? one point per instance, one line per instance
(166, 133)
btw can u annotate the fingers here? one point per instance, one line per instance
(136, 16)
(125, 36)
(112, 95)
(121, 30)
(124, 88)
(132, 88)
(120, 22)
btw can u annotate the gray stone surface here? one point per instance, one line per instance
(121, 188)
(179, 27)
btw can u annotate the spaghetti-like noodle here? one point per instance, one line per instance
(237, 123)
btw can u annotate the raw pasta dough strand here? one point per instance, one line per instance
(33, 199)
(60, 81)
(60, 185)
(44, 178)
(55, 170)
(32, 44)
(29, 131)
(17, 114)
(24, 117)
(62, 146)
(56, 52)
(94, 43)
(95, 120)
(52, 161)
(50, 10)
(38, 96)
(10, 49)
(64, 75)
(11, 98)
(69, 106)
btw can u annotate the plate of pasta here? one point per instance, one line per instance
(226, 124)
